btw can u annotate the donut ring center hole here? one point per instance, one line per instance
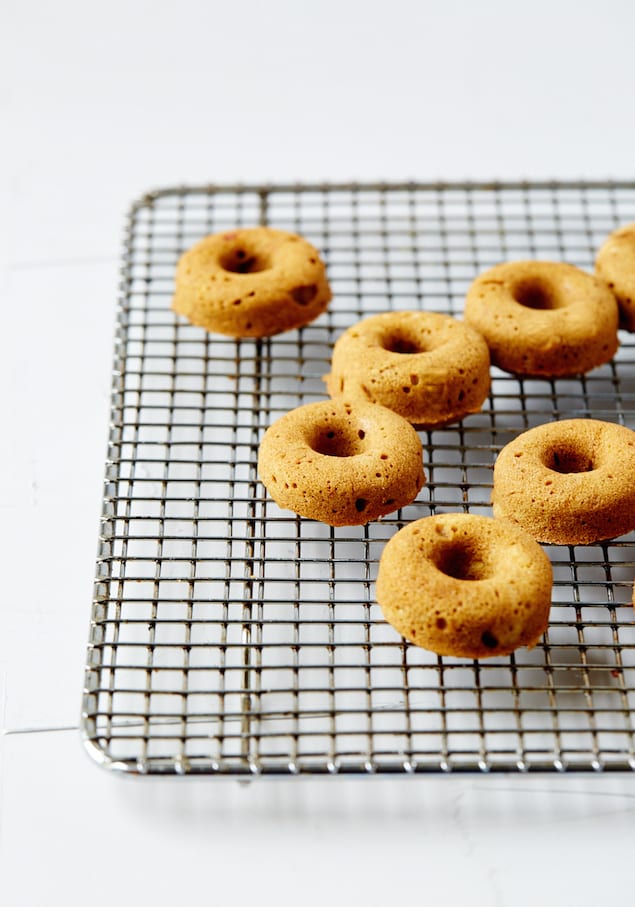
(463, 559)
(535, 293)
(569, 459)
(402, 342)
(240, 260)
(339, 441)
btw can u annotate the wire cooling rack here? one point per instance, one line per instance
(229, 637)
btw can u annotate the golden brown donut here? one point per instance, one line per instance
(340, 464)
(465, 585)
(569, 482)
(615, 263)
(543, 318)
(429, 368)
(251, 282)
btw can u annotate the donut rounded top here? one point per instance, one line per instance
(251, 282)
(568, 482)
(428, 367)
(464, 584)
(615, 263)
(339, 463)
(543, 318)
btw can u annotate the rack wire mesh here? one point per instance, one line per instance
(229, 637)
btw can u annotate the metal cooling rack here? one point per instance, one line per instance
(229, 637)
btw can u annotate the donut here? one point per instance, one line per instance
(340, 464)
(569, 482)
(543, 318)
(465, 585)
(615, 263)
(429, 368)
(251, 282)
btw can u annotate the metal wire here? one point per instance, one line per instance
(230, 637)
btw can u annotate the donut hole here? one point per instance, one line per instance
(536, 293)
(463, 559)
(566, 459)
(241, 260)
(404, 342)
(339, 440)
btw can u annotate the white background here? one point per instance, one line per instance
(101, 102)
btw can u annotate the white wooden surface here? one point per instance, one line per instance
(99, 103)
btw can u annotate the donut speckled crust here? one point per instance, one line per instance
(429, 368)
(569, 482)
(251, 282)
(543, 318)
(615, 263)
(340, 464)
(465, 585)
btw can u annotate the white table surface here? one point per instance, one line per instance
(100, 103)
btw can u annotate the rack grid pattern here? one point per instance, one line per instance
(229, 637)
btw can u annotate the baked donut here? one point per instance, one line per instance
(429, 368)
(251, 282)
(615, 263)
(340, 464)
(569, 482)
(543, 318)
(465, 585)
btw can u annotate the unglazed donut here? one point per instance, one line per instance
(615, 263)
(465, 585)
(343, 465)
(543, 318)
(429, 368)
(569, 482)
(251, 282)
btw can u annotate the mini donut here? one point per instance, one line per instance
(251, 282)
(615, 263)
(429, 368)
(543, 318)
(569, 482)
(339, 464)
(465, 585)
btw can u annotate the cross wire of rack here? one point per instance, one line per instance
(229, 637)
